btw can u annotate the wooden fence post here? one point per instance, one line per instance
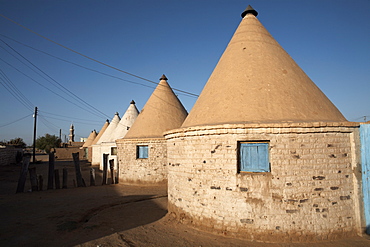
(33, 179)
(57, 180)
(111, 166)
(41, 183)
(65, 178)
(23, 174)
(117, 174)
(92, 177)
(51, 171)
(105, 168)
(79, 179)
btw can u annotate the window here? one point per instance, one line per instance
(113, 151)
(142, 152)
(254, 157)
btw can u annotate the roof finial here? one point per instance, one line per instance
(249, 10)
(132, 102)
(163, 77)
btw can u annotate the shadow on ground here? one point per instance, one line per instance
(72, 216)
(109, 215)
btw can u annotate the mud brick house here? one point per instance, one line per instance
(108, 142)
(264, 154)
(142, 153)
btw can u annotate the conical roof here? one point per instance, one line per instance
(126, 122)
(101, 132)
(256, 81)
(107, 136)
(90, 139)
(163, 111)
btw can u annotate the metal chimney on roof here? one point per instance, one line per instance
(249, 10)
(163, 77)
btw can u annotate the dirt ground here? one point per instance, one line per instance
(102, 215)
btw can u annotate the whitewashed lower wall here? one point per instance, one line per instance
(151, 170)
(311, 193)
(96, 154)
(105, 148)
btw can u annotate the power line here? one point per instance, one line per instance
(48, 124)
(16, 120)
(90, 58)
(13, 90)
(61, 87)
(71, 117)
(50, 89)
(362, 117)
(54, 128)
(78, 65)
(87, 123)
(90, 69)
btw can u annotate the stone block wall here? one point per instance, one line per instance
(148, 171)
(8, 156)
(311, 192)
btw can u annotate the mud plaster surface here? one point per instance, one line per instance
(109, 215)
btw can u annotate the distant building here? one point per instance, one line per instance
(97, 155)
(108, 144)
(142, 152)
(83, 139)
(65, 151)
(95, 147)
(87, 145)
(72, 133)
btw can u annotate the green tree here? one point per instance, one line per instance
(47, 142)
(17, 142)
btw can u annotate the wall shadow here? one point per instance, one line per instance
(76, 215)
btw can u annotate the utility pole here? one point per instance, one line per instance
(34, 135)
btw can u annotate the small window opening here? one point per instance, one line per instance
(113, 150)
(142, 152)
(254, 157)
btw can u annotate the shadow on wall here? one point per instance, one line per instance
(76, 215)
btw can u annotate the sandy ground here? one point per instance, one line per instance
(109, 215)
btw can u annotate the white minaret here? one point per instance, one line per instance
(72, 133)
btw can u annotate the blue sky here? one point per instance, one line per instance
(329, 39)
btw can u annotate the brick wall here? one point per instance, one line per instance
(150, 170)
(8, 155)
(310, 194)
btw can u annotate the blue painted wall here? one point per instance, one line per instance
(365, 161)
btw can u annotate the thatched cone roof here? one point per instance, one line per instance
(126, 122)
(90, 139)
(107, 136)
(162, 112)
(101, 132)
(256, 81)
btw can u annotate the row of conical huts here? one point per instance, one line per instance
(263, 154)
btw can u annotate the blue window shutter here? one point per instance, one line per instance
(145, 152)
(142, 152)
(254, 157)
